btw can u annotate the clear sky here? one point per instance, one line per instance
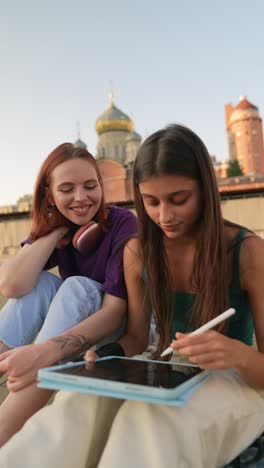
(170, 61)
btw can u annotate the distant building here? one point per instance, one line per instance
(118, 144)
(245, 136)
(79, 143)
(117, 147)
(6, 209)
(117, 139)
(220, 167)
(23, 205)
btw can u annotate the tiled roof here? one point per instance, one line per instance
(245, 104)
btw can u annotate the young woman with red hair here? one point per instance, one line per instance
(60, 312)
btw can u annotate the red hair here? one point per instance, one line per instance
(42, 223)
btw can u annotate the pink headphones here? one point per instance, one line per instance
(87, 237)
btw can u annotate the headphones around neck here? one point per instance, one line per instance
(87, 237)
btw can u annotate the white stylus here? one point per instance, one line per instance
(207, 326)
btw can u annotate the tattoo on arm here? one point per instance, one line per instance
(70, 344)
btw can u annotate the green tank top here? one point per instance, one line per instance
(241, 324)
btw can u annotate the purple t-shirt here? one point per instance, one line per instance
(105, 263)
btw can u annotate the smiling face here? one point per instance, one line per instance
(173, 202)
(76, 190)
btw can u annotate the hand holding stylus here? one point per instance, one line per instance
(207, 326)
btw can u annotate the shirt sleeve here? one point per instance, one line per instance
(114, 283)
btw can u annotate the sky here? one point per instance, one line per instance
(170, 61)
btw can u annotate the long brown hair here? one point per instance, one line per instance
(178, 150)
(42, 223)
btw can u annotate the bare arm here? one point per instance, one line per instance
(19, 274)
(22, 363)
(135, 340)
(252, 277)
(213, 350)
(91, 330)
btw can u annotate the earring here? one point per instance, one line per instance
(50, 210)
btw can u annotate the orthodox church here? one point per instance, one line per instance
(117, 147)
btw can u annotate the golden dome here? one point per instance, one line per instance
(113, 119)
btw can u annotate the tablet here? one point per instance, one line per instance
(127, 376)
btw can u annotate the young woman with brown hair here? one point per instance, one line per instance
(187, 265)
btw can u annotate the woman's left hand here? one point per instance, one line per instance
(212, 350)
(22, 365)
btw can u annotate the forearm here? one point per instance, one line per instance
(133, 344)
(251, 368)
(87, 333)
(19, 274)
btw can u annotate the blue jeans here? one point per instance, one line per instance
(52, 307)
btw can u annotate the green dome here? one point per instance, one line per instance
(80, 144)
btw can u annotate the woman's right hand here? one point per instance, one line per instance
(59, 235)
(63, 238)
(22, 364)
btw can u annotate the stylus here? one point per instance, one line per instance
(207, 326)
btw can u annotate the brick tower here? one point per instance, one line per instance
(245, 136)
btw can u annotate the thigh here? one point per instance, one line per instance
(71, 432)
(78, 298)
(221, 418)
(229, 416)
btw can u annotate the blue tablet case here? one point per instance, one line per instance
(45, 380)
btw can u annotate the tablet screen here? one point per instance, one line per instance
(130, 371)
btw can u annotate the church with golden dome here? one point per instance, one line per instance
(118, 144)
(117, 147)
(117, 139)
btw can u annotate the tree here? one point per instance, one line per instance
(234, 169)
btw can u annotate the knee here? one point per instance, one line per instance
(131, 410)
(75, 402)
(69, 286)
(80, 284)
(72, 282)
(146, 414)
(80, 291)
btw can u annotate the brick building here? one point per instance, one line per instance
(245, 136)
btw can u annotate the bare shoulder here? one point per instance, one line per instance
(251, 260)
(251, 256)
(132, 256)
(132, 248)
(252, 250)
(250, 243)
